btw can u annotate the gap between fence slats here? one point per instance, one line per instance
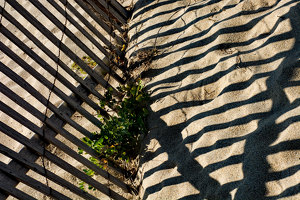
(103, 15)
(53, 158)
(118, 7)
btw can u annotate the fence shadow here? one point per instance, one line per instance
(259, 143)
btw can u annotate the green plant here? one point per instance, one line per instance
(87, 60)
(118, 138)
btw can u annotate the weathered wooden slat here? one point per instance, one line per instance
(9, 93)
(92, 28)
(32, 183)
(62, 47)
(59, 162)
(15, 192)
(110, 9)
(51, 70)
(48, 84)
(40, 170)
(78, 42)
(36, 41)
(84, 6)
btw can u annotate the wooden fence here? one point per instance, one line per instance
(100, 23)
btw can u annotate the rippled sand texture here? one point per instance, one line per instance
(226, 93)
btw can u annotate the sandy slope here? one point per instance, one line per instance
(226, 94)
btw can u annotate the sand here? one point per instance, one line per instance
(225, 95)
(225, 85)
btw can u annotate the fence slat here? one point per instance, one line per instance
(55, 41)
(37, 42)
(47, 83)
(100, 22)
(9, 93)
(15, 192)
(37, 168)
(78, 42)
(32, 182)
(49, 69)
(38, 149)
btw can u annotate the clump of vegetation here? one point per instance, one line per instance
(87, 60)
(118, 138)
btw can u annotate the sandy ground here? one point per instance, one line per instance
(225, 83)
(225, 89)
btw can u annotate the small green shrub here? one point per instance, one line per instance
(118, 138)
